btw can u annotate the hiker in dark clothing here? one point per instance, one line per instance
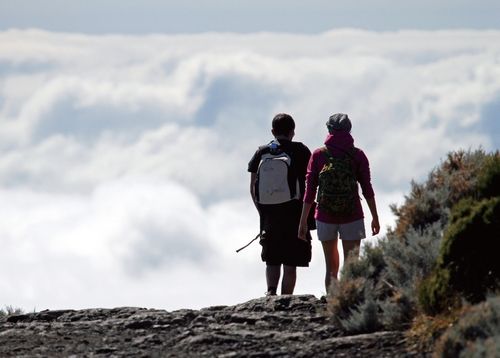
(277, 186)
(334, 171)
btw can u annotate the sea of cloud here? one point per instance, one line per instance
(123, 158)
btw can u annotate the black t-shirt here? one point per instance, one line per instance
(299, 155)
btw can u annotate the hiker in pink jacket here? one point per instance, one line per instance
(348, 224)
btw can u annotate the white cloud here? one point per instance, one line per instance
(123, 158)
(130, 235)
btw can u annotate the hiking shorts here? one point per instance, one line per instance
(354, 230)
(280, 244)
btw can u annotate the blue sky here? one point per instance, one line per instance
(123, 157)
(189, 16)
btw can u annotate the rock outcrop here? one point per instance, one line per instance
(280, 326)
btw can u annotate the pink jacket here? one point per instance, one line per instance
(361, 166)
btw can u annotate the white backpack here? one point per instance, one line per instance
(272, 177)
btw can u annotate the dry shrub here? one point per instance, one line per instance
(427, 203)
(426, 330)
(345, 295)
(397, 311)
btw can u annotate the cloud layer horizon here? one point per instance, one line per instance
(123, 158)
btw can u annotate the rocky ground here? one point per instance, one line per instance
(280, 326)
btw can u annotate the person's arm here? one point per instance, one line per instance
(364, 178)
(253, 179)
(253, 166)
(306, 208)
(373, 210)
(310, 194)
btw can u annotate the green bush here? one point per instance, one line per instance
(462, 209)
(488, 181)
(476, 334)
(468, 265)
(434, 295)
(468, 250)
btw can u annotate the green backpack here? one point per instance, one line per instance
(338, 188)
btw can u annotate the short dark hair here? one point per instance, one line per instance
(283, 123)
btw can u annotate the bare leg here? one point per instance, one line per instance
(331, 260)
(351, 247)
(273, 273)
(289, 278)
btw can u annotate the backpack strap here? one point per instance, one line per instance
(326, 153)
(292, 170)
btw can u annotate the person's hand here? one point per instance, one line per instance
(302, 231)
(375, 227)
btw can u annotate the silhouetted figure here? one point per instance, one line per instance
(333, 173)
(277, 187)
